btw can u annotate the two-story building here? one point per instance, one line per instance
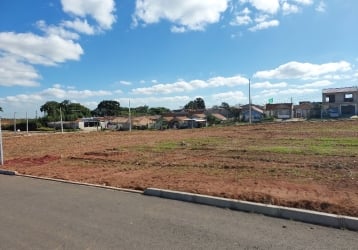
(340, 102)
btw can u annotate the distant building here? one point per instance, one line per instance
(257, 113)
(340, 102)
(308, 110)
(280, 110)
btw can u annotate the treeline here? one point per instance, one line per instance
(68, 111)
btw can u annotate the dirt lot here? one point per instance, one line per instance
(312, 165)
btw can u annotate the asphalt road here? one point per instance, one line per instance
(39, 214)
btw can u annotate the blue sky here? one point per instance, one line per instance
(168, 52)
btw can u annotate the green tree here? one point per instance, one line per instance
(1, 109)
(51, 110)
(225, 105)
(141, 109)
(158, 111)
(70, 111)
(198, 103)
(107, 108)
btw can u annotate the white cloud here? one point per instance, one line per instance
(294, 70)
(56, 30)
(317, 84)
(34, 49)
(227, 81)
(304, 2)
(100, 10)
(16, 73)
(321, 7)
(289, 8)
(61, 93)
(80, 26)
(243, 18)
(172, 102)
(184, 14)
(265, 25)
(267, 6)
(52, 93)
(231, 96)
(176, 29)
(268, 85)
(125, 83)
(184, 86)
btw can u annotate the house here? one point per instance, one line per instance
(144, 122)
(257, 113)
(175, 121)
(307, 110)
(280, 110)
(91, 123)
(118, 123)
(184, 119)
(340, 102)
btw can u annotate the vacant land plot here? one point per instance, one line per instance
(312, 165)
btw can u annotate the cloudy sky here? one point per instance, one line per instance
(168, 52)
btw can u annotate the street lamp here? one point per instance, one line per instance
(61, 120)
(250, 112)
(1, 149)
(14, 122)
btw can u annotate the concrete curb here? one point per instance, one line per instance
(7, 172)
(82, 184)
(313, 217)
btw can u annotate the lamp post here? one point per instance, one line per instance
(61, 120)
(129, 115)
(250, 114)
(14, 122)
(1, 149)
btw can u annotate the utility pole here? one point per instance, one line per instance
(250, 113)
(1, 149)
(27, 124)
(14, 122)
(61, 120)
(129, 115)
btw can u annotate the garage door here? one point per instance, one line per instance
(348, 110)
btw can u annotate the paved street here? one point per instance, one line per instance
(38, 214)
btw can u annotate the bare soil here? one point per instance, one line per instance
(310, 165)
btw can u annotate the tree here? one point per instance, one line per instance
(225, 105)
(51, 110)
(141, 109)
(1, 109)
(198, 103)
(107, 108)
(69, 111)
(158, 111)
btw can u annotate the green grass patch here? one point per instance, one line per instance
(315, 146)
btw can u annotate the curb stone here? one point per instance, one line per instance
(8, 172)
(302, 215)
(308, 216)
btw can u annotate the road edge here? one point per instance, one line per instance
(9, 172)
(302, 215)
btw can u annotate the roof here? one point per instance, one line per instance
(340, 90)
(219, 116)
(120, 120)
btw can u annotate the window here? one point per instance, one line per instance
(348, 97)
(330, 98)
